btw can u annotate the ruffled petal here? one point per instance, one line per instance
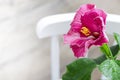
(102, 37)
(102, 14)
(79, 51)
(73, 34)
(101, 40)
(83, 9)
(69, 39)
(81, 46)
(88, 20)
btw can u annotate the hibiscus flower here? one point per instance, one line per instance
(87, 29)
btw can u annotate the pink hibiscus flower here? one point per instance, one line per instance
(87, 29)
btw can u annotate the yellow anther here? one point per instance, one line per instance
(85, 31)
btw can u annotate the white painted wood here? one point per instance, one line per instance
(54, 25)
(60, 24)
(55, 70)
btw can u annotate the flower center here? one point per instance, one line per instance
(85, 31)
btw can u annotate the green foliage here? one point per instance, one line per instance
(114, 49)
(117, 38)
(110, 69)
(107, 51)
(80, 69)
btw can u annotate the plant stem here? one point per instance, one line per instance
(107, 51)
(114, 50)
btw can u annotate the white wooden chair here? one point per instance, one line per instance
(52, 26)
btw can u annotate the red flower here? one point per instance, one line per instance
(87, 29)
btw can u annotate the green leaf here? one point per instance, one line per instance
(118, 62)
(114, 49)
(80, 69)
(117, 38)
(107, 51)
(110, 69)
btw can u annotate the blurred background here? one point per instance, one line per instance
(22, 55)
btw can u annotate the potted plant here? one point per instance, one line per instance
(88, 29)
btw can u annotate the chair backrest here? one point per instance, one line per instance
(55, 25)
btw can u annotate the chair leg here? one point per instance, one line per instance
(55, 70)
